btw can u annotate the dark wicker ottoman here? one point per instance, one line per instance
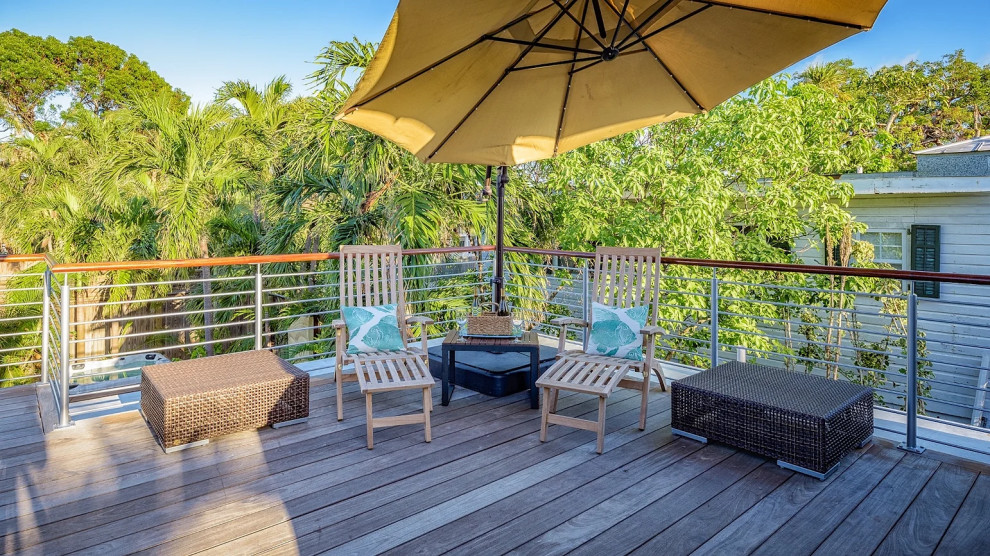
(808, 423)
(189, 402)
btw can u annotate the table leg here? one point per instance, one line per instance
(534, 374)
(445, 378)
(452, 373)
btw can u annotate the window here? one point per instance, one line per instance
(888, 246)
(925, 254)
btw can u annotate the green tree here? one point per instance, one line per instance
(31, 70)
(106, 77)
(916, 105)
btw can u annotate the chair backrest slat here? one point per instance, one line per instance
(372, 275)
(626, 277)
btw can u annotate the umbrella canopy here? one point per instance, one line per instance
(502, 82)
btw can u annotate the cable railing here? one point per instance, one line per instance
(88, 328)
(926, 360)
(21, 315)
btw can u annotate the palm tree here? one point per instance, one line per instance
(189, 171)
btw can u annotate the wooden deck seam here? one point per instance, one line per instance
(379, 451)
(911, 503)
(760, 469)
(358, 446)
(520, 409)
(351, 515)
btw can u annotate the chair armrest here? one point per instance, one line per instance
(563, 323)
(339, 324)
(569, 321)
(423, 322)
(652, 331)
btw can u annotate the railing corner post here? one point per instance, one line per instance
(910, 443)
(259, 308)
(64, 368)
(46, 322)
(713, 328)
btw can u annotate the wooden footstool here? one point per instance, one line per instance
(189, 402)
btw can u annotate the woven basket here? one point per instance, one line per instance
(489, 324)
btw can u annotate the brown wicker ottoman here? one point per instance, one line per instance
(807, 423)
(189, 402)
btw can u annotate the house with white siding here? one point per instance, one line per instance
(938, 218)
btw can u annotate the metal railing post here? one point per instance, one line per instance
(259, 308)
(910, 443)
(46, 322)
(63, 418)
(714, 318)
(585, 300)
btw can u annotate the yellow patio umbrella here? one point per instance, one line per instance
(502, 82)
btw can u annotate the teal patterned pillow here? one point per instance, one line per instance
(615, 331)
(373, 328)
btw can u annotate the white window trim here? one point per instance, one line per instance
(905, 242)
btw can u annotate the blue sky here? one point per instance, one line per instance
(196, 45)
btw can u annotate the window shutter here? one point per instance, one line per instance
(926, 251)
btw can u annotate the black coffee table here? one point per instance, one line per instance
(528, 343)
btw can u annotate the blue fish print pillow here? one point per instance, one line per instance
(615, 331)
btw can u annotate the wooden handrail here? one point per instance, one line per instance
(945, 277)
(235, 261)
(191, 263)
(32, 258)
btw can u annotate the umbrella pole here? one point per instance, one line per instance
(498, 281)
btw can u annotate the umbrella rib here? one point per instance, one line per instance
(596, 62)
(668, 26)
(659, 61)
(570, 76)
(807, 18)
(622, 19)
(505, 74)
(580, 24)
(447, 58)
(558, 63)
(662, 9)
(598, 18)
(541, 45)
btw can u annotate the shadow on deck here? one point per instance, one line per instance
(484, 485)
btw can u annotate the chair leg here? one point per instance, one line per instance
(601, 424)
(371, 422)
(645, 401)
(545, 414)
(427, 398)
(338, 377)
(663, 382)
(554, 393)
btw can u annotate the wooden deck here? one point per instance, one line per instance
(485, 485)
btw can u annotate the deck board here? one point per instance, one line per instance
(921, 527)
(865, 528)
(698, 526)
(484, 485)
(968, 532)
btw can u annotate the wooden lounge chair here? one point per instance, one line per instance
(622, 278)
(372, 275)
